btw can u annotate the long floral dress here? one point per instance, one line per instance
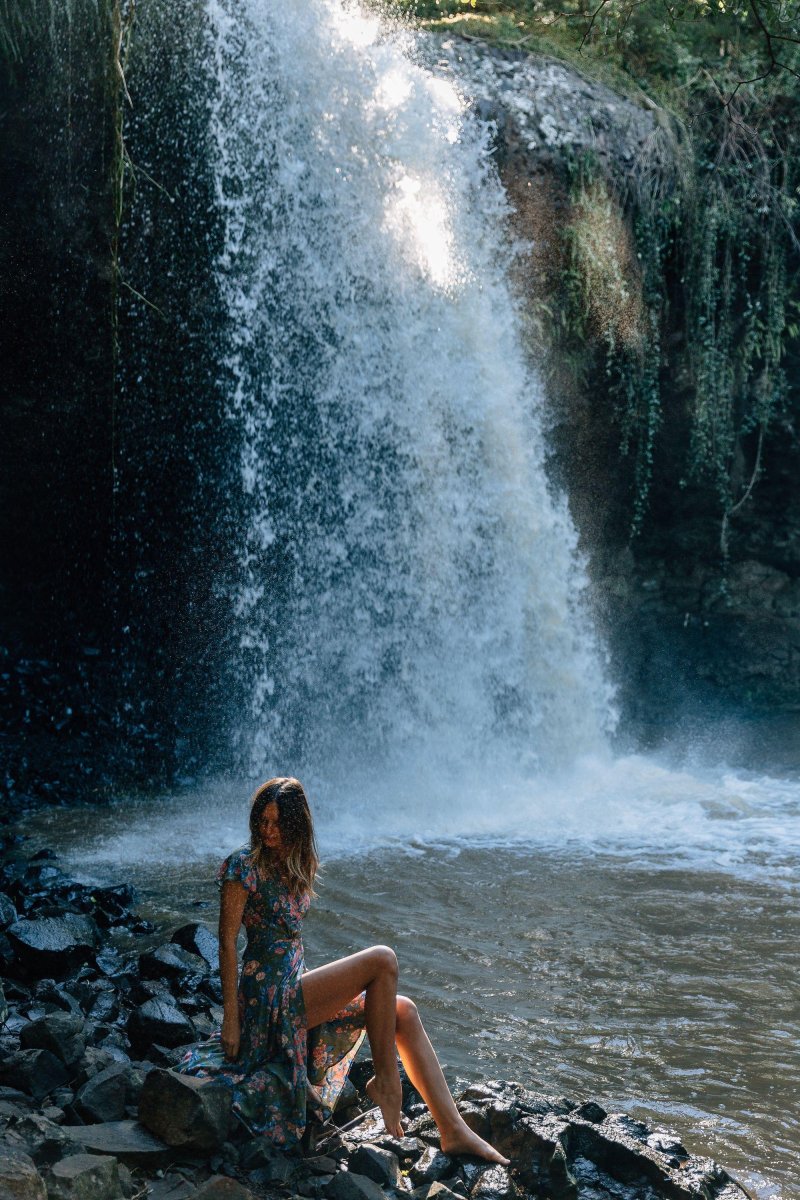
(278, 1056)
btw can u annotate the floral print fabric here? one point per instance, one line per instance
(279, 1057)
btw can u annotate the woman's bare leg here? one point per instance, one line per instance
(326, 991)
(423, 1069)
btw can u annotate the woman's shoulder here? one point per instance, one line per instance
(239, 868)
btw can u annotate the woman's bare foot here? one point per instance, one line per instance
(463, 1141)
(388, 1095)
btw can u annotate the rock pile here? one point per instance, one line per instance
(90, 1109)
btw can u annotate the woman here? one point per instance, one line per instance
(284, 1029)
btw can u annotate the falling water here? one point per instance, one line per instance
(410, 593)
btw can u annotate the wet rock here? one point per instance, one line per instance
(493, 1183)
(99, 1058)
(104, 1096)
(559, 1149)
(407, 1149)
(346, 1185)
(219, 1187)
(432, 1165)
(199, 940)
(211, 987)
(6, 953)
(127, 1141)
(170, 962)
(667, 1143)
(8, 913)
(61, 1033)
(635, 1129)
(321, 1164)
(84, 1177)
(436, 1191)
(377, 1164)
(19, 1178)
(105, 1006)
(45, 1141)
(54, 994)
(258, 1152)
(279, 1170)
(37, 1072)
(53, 946)
(184, 1111)
(110, 962)
(159, 1021)
(143, 990)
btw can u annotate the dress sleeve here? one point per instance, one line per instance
(237, 867)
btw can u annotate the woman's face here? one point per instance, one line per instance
(269, 829)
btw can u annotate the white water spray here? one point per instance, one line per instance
(410, 592)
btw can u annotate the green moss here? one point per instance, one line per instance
(716, 242)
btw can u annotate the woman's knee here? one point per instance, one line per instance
(385, 960)
(407, 1013)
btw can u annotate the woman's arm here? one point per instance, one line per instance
(231, 908)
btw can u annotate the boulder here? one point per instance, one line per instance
(45, 1141)
(53, 946)
(199, 939)
(170, 962)
(159, 1021)
(431, 1166)
(104, 1096)
(349, 1186)
(492, 1182)
(61, 1033)
(377, 1164)
(127, 1141)
(19, 1179)
(49, 992)
(37, 1072)
(84, 1177)
(184, 1111)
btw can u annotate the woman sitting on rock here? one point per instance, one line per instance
(290, 1035)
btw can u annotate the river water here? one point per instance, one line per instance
(628, 932)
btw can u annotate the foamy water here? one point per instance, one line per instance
(633, 807)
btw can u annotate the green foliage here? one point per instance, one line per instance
(716, 242)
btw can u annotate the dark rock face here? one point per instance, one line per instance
(692, 635)
(184, 1112)
(199, 940)
(52, 945)
(37, 1072)
(159, 1021)
(19, 1179)
(381, 1165)
(127, 1141)
(84, 1177)
(60, 1033)
(103, 1097)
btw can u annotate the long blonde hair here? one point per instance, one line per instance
(297, 832)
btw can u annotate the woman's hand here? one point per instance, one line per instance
(229, 1037)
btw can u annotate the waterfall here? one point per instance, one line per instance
(409, 595)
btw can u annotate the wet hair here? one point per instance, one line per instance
(297, 832)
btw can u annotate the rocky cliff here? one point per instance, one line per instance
(701, 615)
